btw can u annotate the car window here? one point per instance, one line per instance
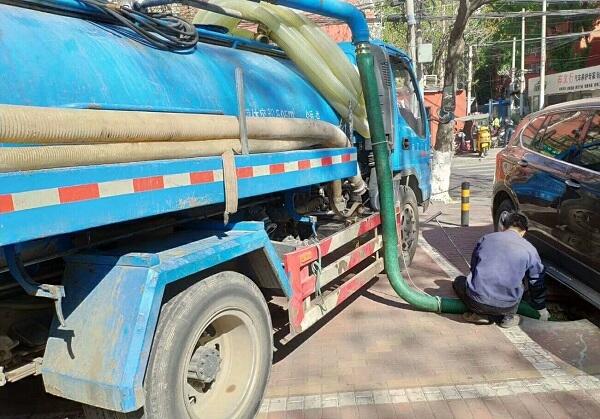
(407, 98)
(561, 135)
(531, 131)
(589, 156)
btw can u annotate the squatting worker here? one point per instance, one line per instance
(499, 265)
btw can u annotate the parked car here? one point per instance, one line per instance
(550, 171)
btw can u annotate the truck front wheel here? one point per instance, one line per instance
(212, 351)
(409, 223)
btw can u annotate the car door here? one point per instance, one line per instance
(537, 180)
(579, 210)
(552, 151)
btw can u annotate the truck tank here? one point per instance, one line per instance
(54, 60)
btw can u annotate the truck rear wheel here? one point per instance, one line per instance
(212, 352)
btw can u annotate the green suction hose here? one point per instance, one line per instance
(417, 299)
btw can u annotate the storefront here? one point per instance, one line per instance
(563, 87)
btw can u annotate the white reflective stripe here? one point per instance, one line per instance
(291, 166)
(218, 175)
(35, 199)
(115, 188)
(262, 170)
(314, 163)
(336, 159)
(352, 156)
(173, 181)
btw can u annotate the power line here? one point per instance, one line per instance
(503, 15)
(563, 36)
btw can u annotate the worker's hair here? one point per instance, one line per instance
(516, 219)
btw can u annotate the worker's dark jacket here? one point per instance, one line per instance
(499, 263)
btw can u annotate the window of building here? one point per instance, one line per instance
(407, 98)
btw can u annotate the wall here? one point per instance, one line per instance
(433, 101)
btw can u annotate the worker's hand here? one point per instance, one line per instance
(544, 314)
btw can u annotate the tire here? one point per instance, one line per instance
(224, 314)
(505, 207)
(409, 224)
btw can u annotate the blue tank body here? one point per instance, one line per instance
(59, 61)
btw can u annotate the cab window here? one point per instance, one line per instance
(407, 98)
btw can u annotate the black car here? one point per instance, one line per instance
(550, 171)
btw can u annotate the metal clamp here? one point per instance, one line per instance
(19, 273)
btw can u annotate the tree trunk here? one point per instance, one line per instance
(444, 143)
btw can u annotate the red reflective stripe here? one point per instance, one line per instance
(202, 177)
(245, 172)
(276, 168)
(6, 203)
(326, 161)
(78, 193)
(345, 158)
(148, 183)
(304, 164)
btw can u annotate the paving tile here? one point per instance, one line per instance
(386, 411)
(421, 410)
(440, 409)
(478, 409)
(496, 407)
(348, 412)
(546, 403)
(515, 407)
(460, 409)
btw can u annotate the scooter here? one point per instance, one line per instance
(484, 140)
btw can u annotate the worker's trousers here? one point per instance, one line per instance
(460, 288)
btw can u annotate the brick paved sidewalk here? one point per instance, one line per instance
(378, 358)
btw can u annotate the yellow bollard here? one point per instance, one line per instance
(465, 193)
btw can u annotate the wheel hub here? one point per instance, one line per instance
(408, 230)
(204, 365)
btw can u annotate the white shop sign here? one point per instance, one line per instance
(570, 81)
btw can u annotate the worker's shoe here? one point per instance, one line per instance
(475, 318)
(510, 320)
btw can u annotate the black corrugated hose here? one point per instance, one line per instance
(161, 30)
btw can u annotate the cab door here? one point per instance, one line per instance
(411, 134)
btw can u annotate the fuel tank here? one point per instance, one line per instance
(55, 60)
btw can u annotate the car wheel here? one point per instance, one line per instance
(501, 212)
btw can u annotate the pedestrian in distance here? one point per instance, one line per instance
(502, 264)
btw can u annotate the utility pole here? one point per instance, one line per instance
(543, 57)
(512, 76)
(419, 64)
(412, 29)
(470, 80)
(522, 75)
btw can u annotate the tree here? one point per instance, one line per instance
(444, 145)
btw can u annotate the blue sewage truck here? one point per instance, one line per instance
(164, 188)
